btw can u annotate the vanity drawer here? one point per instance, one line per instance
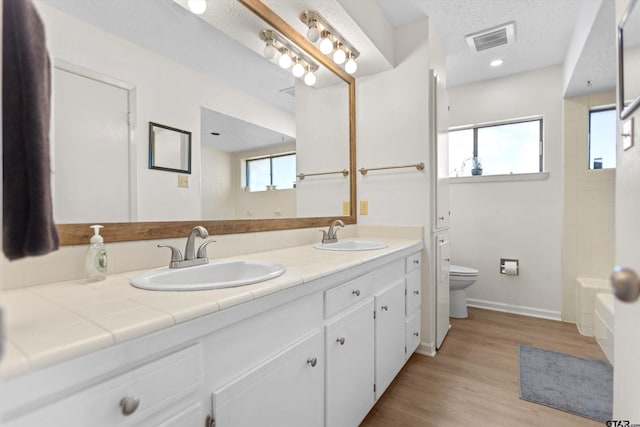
(412, 295)
(347, 294)
(155, 385)
(412, 262)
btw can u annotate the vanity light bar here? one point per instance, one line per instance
(283, 45)
(308, 17)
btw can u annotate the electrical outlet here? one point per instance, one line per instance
(364, 207)
(183, 181)
(346, 208)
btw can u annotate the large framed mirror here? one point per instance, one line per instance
(629, 60)
(237, 129)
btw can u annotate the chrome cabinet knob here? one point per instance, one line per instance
(385, 307)
(415, 261)
(356, 292)
(340, 340)
(129, 405)
(441, 218)
(626, 284)
(416, 292)
(312, 361)
(416, 334)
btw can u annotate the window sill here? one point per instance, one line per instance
(499, 178)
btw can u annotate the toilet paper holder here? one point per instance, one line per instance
(503, 266)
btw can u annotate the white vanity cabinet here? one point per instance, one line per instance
(316, 354)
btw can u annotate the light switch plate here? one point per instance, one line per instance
(364, 207)
(627, 134)
(183, 181)
(346, 208)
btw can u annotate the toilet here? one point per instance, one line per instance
(460, 278)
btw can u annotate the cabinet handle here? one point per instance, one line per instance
(340, 340)
(385, 307)
(129, 405)
(441, 218)
(415, 261)
(417, 292)
(448, 259)
(312, 361)
(356, 292)
(416, 334)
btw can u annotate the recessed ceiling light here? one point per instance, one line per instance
(496, 63)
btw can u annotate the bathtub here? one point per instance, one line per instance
(586, 291)
(604, 323)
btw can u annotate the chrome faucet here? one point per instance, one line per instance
(331, 236)
(190, 258)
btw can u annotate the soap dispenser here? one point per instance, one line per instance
(96, 261)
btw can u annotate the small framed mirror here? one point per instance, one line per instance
(169, 148)
(629, 60)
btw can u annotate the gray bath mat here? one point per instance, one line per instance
(581, 386)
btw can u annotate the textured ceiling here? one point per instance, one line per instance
(543, 34)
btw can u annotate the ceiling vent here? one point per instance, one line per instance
(291, 91)
(492, 37)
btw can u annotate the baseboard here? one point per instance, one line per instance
(426, 349)
(515, 309)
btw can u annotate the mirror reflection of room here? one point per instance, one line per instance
(111, 82)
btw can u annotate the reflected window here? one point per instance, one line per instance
(271, 173)
(602, 138)
(500, 149)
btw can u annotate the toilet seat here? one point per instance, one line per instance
(462, 271)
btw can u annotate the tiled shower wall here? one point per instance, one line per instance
(589, 202)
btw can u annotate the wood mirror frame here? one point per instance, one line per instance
(78, 234)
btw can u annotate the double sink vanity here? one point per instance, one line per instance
(315, 343)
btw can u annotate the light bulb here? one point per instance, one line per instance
(326, 45)
(285, 61)
(339, 56)
(197, 6)
(310, 79)
(313, 34)
(351, 66)
(270, 51)
(298, 70)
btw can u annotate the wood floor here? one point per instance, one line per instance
(473, 380)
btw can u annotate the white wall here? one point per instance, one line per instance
(322, 136)
(515, 219)
(392, 114)
(167, 93)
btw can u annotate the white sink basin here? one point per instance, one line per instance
(351, 245)
(215, 275)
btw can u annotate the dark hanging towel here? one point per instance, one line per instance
(28, 227)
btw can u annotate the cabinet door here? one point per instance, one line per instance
(285, 391)
(440, 108)
(350, 366)
(390, 339)
(412, 333)
(442, 289)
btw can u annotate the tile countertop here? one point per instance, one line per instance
(49, 324)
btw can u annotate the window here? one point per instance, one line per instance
(502, 149)
(277, 171)
(602, 138)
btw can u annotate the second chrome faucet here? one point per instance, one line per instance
(331, 236)
(191, 257)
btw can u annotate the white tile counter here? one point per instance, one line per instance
(49, 324)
